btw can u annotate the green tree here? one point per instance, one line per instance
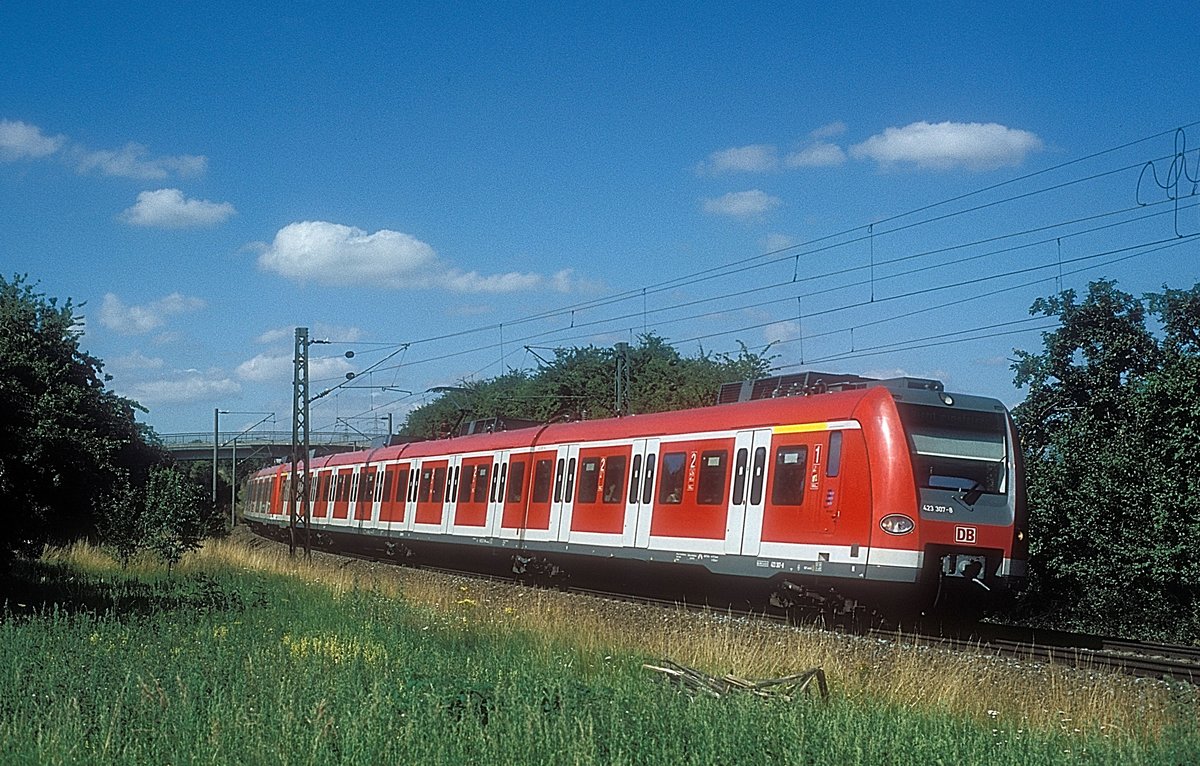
(579, 382)
(1111, 432)
(175, 515)
(122, 519)
(66, 443)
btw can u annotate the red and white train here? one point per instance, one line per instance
(893, 494)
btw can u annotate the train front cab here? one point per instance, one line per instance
(969, 521)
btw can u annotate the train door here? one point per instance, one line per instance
(453, 482)
(410, 494)
(364, 508)
(496, 489)
(749, 488)
(566, 508)
(641, 489)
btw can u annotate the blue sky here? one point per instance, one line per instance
(880, 190)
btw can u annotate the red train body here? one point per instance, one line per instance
(894, 495)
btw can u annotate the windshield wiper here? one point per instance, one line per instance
(971, 496)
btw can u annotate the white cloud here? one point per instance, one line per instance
(195, 387)
(135, 320)
(755, 158)
(135, 360)
(945, 145)
(264, 368)
(744, 204)
(821, 154)
(276, 335)
(20, 140)
(332, 254)
(318, 331)
(774, 242)
(169, 209)
(828, 131)
(134, 161)
(781, 332)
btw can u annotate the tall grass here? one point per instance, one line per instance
(246, 655)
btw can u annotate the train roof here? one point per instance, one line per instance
(756, 413)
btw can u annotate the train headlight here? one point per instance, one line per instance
(896, 524)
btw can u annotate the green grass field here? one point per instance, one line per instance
(224, 664)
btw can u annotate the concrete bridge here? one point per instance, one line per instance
(265, 444)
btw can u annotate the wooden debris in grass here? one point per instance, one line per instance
(697, 682)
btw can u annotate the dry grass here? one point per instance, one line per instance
(1003, 693)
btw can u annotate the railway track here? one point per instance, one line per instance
(1138, 658)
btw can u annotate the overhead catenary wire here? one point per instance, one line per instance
(794, 252)
(789, 251)
(843, 271)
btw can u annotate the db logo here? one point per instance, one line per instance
(964, 535)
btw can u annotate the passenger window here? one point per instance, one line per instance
(495, 481)
(648, 482)
(516, 481)
(790, 473)
(541, 481)
(481, 483)
(633, 478)
(739, 476)
(835, 454)
(438, 491)
(570, 490)
(503, 479)
(402, 484)
(756, 479)
(558, 481)
(589, 479)
(614, 479)
(426, 481)
(670, 486)
(710, 490)
(462, 489)
(387, 486)
(454, 485)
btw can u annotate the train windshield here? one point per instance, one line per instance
(959, 450)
